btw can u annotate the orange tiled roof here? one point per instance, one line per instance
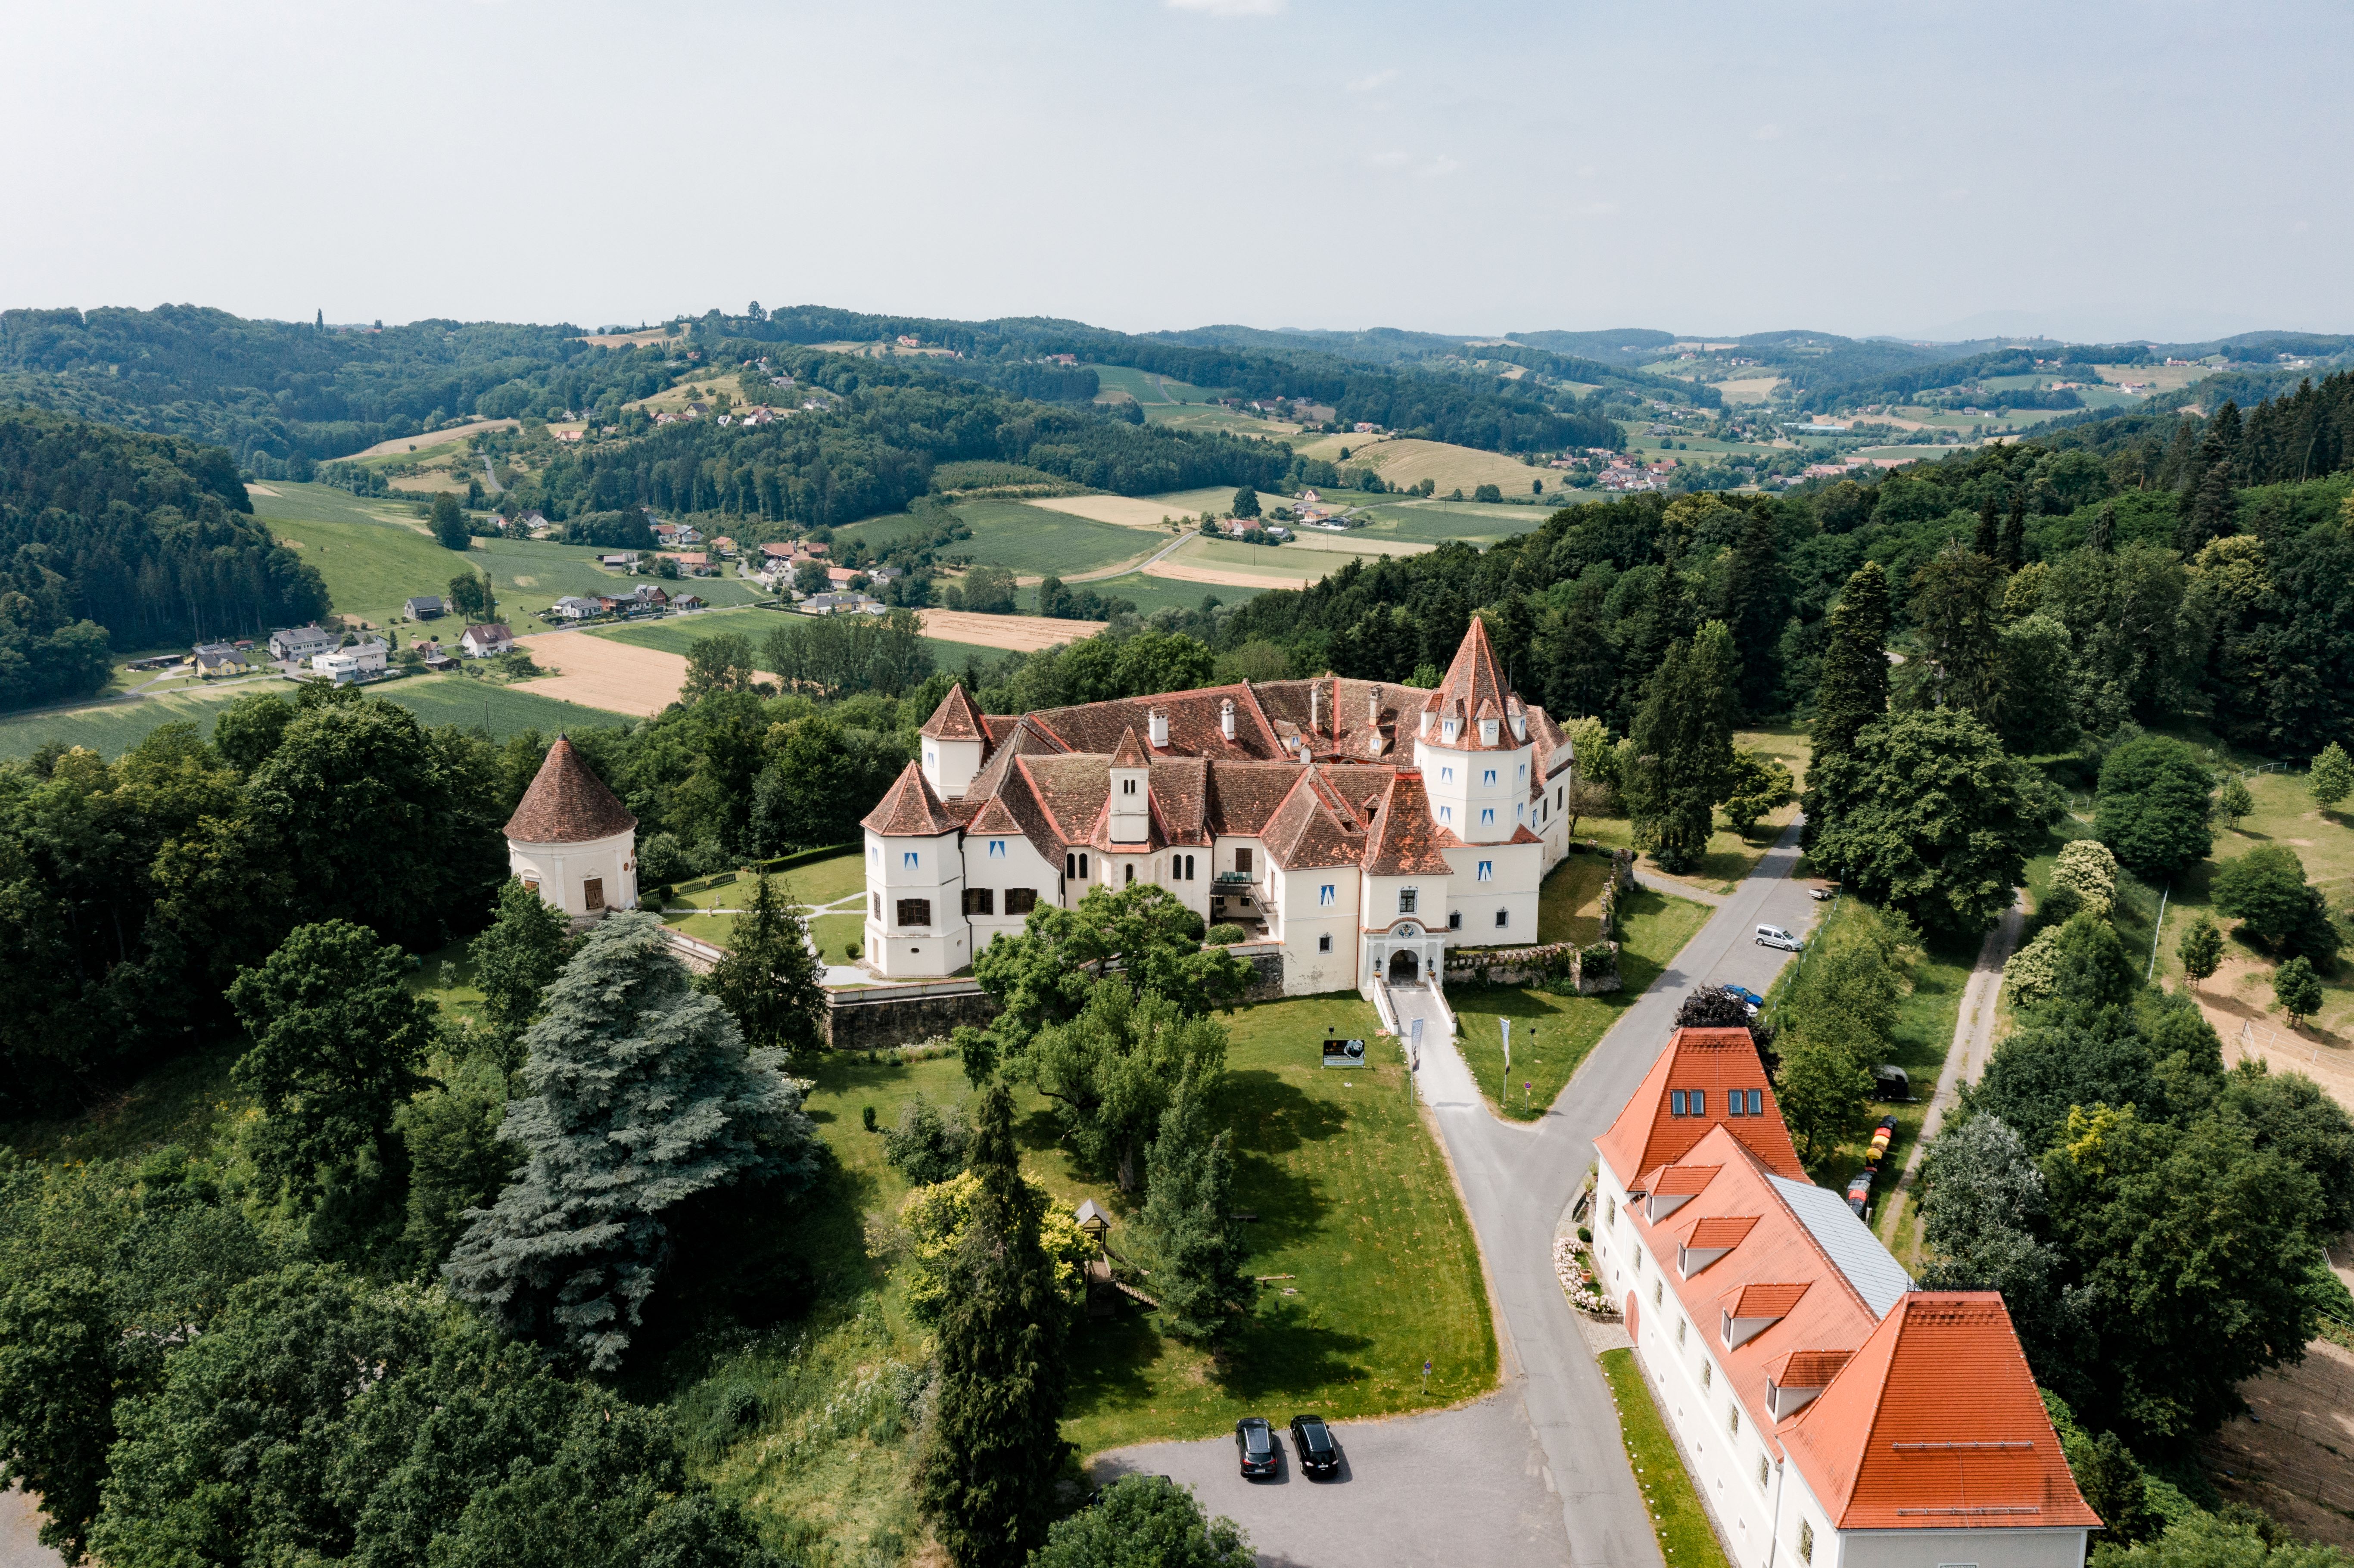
(1647, 1134)
(909, 808)
(1474, 689)
(1720, 1231)
(1681, 1181)
(954, 719)
(1404, 839)
(568, 803)
(1807, 1368)
(1935, 1425)
(1761, 1300)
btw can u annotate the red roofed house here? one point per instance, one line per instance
(1833, 1416)
(572, 841)
(1366, 828)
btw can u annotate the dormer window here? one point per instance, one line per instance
(1447, 731)
(1487, 732)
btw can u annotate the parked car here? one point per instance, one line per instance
(1254, 1444)
(1312, 1441)
(1746, 996)
(1775, 936)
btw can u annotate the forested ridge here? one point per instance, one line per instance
(132, 540)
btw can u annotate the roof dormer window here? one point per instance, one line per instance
(1447, 731)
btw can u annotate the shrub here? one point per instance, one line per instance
(928, 1145)
(2086, 867)
(937, 1218)
(1225, 934)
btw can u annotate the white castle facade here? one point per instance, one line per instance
(1366, 828)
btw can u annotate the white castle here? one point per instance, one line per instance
(1366, 828)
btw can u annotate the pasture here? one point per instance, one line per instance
(678, 634)
(1407, 462)
(1435, 522)
(370, 568)
(1148, 512)
(1149, 592)
(283, 500)
(1027, 539)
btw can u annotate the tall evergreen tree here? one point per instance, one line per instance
(769, 977)
(1957, 607)
(1852, 690)
(1194, 1247)
(2102, 533)
(2010, 547)
(640, 1095)
(994, 1449)
(1683, 749)
(1756, 605)
(449, 522)
(1988, 540)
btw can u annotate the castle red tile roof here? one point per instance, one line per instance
(994, 817)
(1935, 1423)
(1130, 752)
(909, 808)
(955, 719)
(1474, 689)
(1648, 1134)
(1807, 1369)
(1406, 840)
(568, 803)
(1314, 827)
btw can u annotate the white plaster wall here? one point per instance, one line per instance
(1996, 1546)
(1518, 869)
(929, 952)
(563, 870)
(950, 765)
(1021, 866)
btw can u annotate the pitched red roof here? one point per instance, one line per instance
(1647, 1134)
(1474, 689)
(1315, 826)
(955, 719)
(1807, 1369)
(1721, 1231)
(994, 817)
(909, 808)
(1682, 1181)
(1405, 841)
(1760, 1300)
(1935, 1425)
(1130, 752)
(568, 803)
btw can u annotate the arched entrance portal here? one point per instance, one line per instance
(1404, 967)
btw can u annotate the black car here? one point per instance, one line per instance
(1318, 1455)
(1255, 1442)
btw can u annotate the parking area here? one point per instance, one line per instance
(1415, 1491)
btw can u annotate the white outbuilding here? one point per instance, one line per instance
(572, 841)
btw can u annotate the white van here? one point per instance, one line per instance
(1775, 936)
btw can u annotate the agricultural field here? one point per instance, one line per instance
(599, 672)
(1006, 633)
(1407, 462)
(678, 634)
(1151, 593)
(1155, 512)
(401, 446)
(1143, 387)
(283, 500)
(1435, 522)
(112, 729)
(1028, 540)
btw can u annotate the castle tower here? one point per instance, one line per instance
(572, 841)
(954, 743)
(1473, 746)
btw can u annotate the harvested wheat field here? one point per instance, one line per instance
(1140, 512)
(1406, 461)
(602, 673)
(1014, 633)
(1181, 571)
(434, 437)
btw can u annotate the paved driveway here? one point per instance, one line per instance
(1463, 1486)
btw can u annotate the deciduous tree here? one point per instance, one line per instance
(2153, 807)
(2332, 779)
(1112, 1070)
(519, 956)
(2297, 990)
(1145, 1521)
(2201, 948)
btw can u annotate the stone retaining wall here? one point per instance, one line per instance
(1530, 966)
(856, 1021)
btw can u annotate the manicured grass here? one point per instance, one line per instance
(1566, 1027)
(835, 934)
(1730, 857)
(1569, 901)
(1355, 1201)
(503, 711)
(1676, 1517)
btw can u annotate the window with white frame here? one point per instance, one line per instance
(1490, 780)
(1447, 776)
(997, 849)
(931, 757)
(907, 860)
(1446, 813)
(1406, 896)
(1486, 813)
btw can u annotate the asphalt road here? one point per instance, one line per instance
(20, 1523)
(1467, 1486)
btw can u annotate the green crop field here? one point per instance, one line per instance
(1202, 417)
(112, 728)
(1149, 594)
(1029, 541)
(1145, 387)
(678, 634)
(1435, 522)
(325, 504)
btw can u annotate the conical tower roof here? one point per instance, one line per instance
(911, 808)
(568, 803)
(1131, 752)
(955, 719)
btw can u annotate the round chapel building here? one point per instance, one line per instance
(572, 841)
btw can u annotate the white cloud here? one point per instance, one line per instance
(1229, 7)
(1767, 134)
(1387, 160)
(1367, 83)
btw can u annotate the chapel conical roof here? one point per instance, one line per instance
(568, 803)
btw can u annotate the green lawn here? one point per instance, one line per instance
(676, 634)
(325, 504)
(503, 711)
(1433, 522)
(1149, 593)
(1569, 900)
(1145, 387)
(1685, 1538)
(1566, 1027)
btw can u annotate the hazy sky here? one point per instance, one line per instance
(2090, 169)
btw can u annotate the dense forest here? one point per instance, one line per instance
(107, 537)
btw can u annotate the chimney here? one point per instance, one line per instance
(1315, 707)
(1159, 726)
(1425, 731)
(1226, 718)
(1374, 708)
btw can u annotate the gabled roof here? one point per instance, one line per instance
(994, 817)
(1648, 1134)
(1315, 826)
(1935, 1423)
(568, 803)
(909, 808)
(1760, 1300)
(1405, 841)
(954, 719)
(1807, 1368)
(1130, 752)
(1721, 1230)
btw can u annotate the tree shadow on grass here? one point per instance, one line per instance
(1271, 1117)
(1290, 1207)
(1283, 1351)
(1112, 1361)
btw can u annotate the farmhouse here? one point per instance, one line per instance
(299, 643)
(428, 608)
(217, 659)
(356, 662)
(490, 638)
(1833, 1415)
(572, 606)
(1365, 828)
(571, 841)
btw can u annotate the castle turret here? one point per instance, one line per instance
(1473, 746)
(955, 745)
(571, 841)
